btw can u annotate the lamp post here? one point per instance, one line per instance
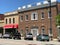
(49, 1)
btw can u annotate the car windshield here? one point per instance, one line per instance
(45, 35)
(29, 34)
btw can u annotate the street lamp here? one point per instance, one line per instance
(49, 1)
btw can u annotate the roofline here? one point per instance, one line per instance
(37, 7)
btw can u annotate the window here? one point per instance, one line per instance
(27, 30)
(13, 20)
(6, 21)
(26, 17)
(34, 16)
(21, 18)
(9, 20)
(43, 30)
(42, 15)
(49, 14)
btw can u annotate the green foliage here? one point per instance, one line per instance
(58, 20)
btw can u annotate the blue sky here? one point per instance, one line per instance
(10, 5)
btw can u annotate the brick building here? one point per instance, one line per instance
(36, 19)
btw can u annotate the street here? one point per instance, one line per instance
(26, 42)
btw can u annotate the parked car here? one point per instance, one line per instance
(43, 37)
(0, 35)
(7, 35)
(17, 36)
(28, 36)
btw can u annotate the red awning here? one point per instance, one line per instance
(9, 26)
(15, 25)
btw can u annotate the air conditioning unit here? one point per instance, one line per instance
(19, 8)
(39, 3)
(23, 7)
(28, 6)
(45, 2)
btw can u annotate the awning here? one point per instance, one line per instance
(11, 26)
(15, 25)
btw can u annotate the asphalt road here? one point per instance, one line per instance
(26, 42)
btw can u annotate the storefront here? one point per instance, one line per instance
(11, 28)
(1, 30)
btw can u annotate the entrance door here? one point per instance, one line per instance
(34, 32)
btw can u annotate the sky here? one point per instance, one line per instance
(11, 5)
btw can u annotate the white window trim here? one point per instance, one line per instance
(48, 15)
(36, 16)
(34, 29)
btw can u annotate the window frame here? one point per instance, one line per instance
(42, 15)
(21, 18)
(9, 20)
(26, 17)
(13, 20)
(34, 16)
(6, 20)
(49, 14)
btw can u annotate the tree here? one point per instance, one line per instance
(58, 20)
(58, 26)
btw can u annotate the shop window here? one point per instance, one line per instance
(13, 20)
(9, 20)
(34, 16)
(6, 21)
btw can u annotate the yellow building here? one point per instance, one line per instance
(11, 22)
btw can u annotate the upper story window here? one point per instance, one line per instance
(49, 14)
(34, 16)
(42, 15)
(9, 20)
(21, 18)
(26, 17)
(13, 20)
(6, 21)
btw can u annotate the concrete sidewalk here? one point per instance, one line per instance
(26, 42)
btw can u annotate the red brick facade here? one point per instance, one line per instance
(40, 22)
